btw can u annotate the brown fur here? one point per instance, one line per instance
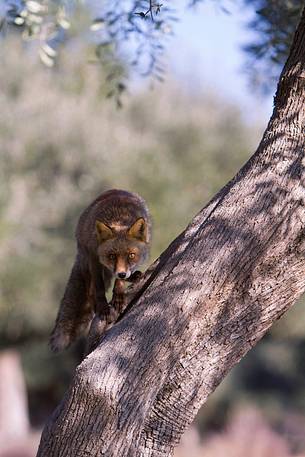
(113, 237)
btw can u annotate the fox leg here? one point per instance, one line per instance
(99, 284)
(75, 312)
(105, 314)
(120, 297)
(119, 300)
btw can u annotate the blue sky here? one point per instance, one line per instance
(206, 53)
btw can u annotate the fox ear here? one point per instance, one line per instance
(138, 230)
(103, 232)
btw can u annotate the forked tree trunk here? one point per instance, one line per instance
(211, 296)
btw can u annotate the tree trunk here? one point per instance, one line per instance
(210, 297)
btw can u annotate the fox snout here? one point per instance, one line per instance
(122, 275)
(122, 271)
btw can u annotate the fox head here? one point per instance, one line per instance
(122, 250)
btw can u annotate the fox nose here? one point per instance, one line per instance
(122, 275)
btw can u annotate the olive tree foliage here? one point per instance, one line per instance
(273, 24)
(135, 33)
(127, 34)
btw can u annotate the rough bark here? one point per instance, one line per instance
(211, 296)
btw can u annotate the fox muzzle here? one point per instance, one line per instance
(123, 274)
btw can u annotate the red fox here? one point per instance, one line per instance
(113, 239)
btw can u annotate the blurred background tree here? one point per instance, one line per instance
(62, 142)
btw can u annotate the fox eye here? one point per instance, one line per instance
(131, 255)
(111, 256)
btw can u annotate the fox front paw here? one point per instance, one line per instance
(97, 329)
(112, 316)
(99, 325)
(118, 303)
(59, 340)
(136, 276)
